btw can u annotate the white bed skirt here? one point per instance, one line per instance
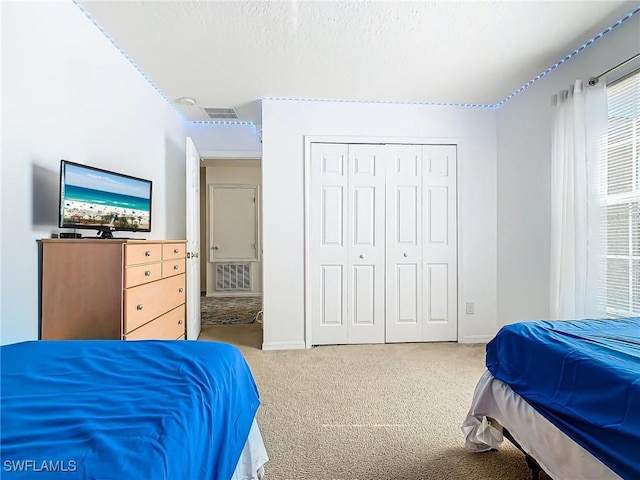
(253, 457)
(495, 405)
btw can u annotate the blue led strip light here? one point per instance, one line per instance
(568, 57)
(441, 104)
(144, 75)
(221, 122)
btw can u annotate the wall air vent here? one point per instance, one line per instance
(233, 276)
(220, 113)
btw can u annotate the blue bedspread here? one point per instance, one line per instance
(584, 377)
(119, 410)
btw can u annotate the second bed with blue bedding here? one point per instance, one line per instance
(583, 376)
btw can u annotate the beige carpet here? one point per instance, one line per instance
(386, 412)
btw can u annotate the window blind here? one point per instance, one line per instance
(620, 286)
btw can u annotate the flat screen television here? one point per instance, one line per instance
(101, 200)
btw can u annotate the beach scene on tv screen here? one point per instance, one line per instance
(99, 199)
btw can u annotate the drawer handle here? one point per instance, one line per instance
(180, 290)
(147, 253)
(176, 267)
(179, 322)
(147, 273)
(139, 307)
(175, 250)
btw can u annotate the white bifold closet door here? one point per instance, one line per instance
(347, 229)
(383, 243)
(421, 258)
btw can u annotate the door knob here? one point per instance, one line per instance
(405, 254)
(216, 247)
(361, 256)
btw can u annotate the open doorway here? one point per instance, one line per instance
(231, 253)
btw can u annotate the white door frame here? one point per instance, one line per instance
(308, 140)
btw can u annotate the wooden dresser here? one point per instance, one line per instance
(112, 289)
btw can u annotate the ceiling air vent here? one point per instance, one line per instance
(219, 113)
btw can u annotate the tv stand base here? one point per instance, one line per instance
(104, 233)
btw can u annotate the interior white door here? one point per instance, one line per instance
(192, 166)
(233, 234)
(404, 244)
(328, 243)
(365, 249)
(440, 250)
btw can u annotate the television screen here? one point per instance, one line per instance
(99, 199)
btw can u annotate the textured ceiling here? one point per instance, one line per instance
(232, 54)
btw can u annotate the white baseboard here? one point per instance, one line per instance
(476, 339)
(283, 346)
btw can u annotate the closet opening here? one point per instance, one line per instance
(381, 242)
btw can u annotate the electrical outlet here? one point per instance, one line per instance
(470, 307)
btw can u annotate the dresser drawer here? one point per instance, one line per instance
(173, 267)
(142, 274)
(146, 302)
(169, 326)
(173, 250)
(135, 254)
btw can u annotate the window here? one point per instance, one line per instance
(620, 285)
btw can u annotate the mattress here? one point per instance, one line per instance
(583, 377)
(114, 409)
(496, 406)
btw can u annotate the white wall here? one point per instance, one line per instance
(285, 123)
(225, 141)
(1, 162)
(68, 93)
(228, 172)
(524, 126)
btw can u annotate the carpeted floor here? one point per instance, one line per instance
(229, 310)
(365, 412)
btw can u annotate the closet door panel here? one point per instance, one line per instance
(366, 251)
(403, 243)
(440, 294)
(328, 243)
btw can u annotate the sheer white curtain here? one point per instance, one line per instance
(579, 130)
